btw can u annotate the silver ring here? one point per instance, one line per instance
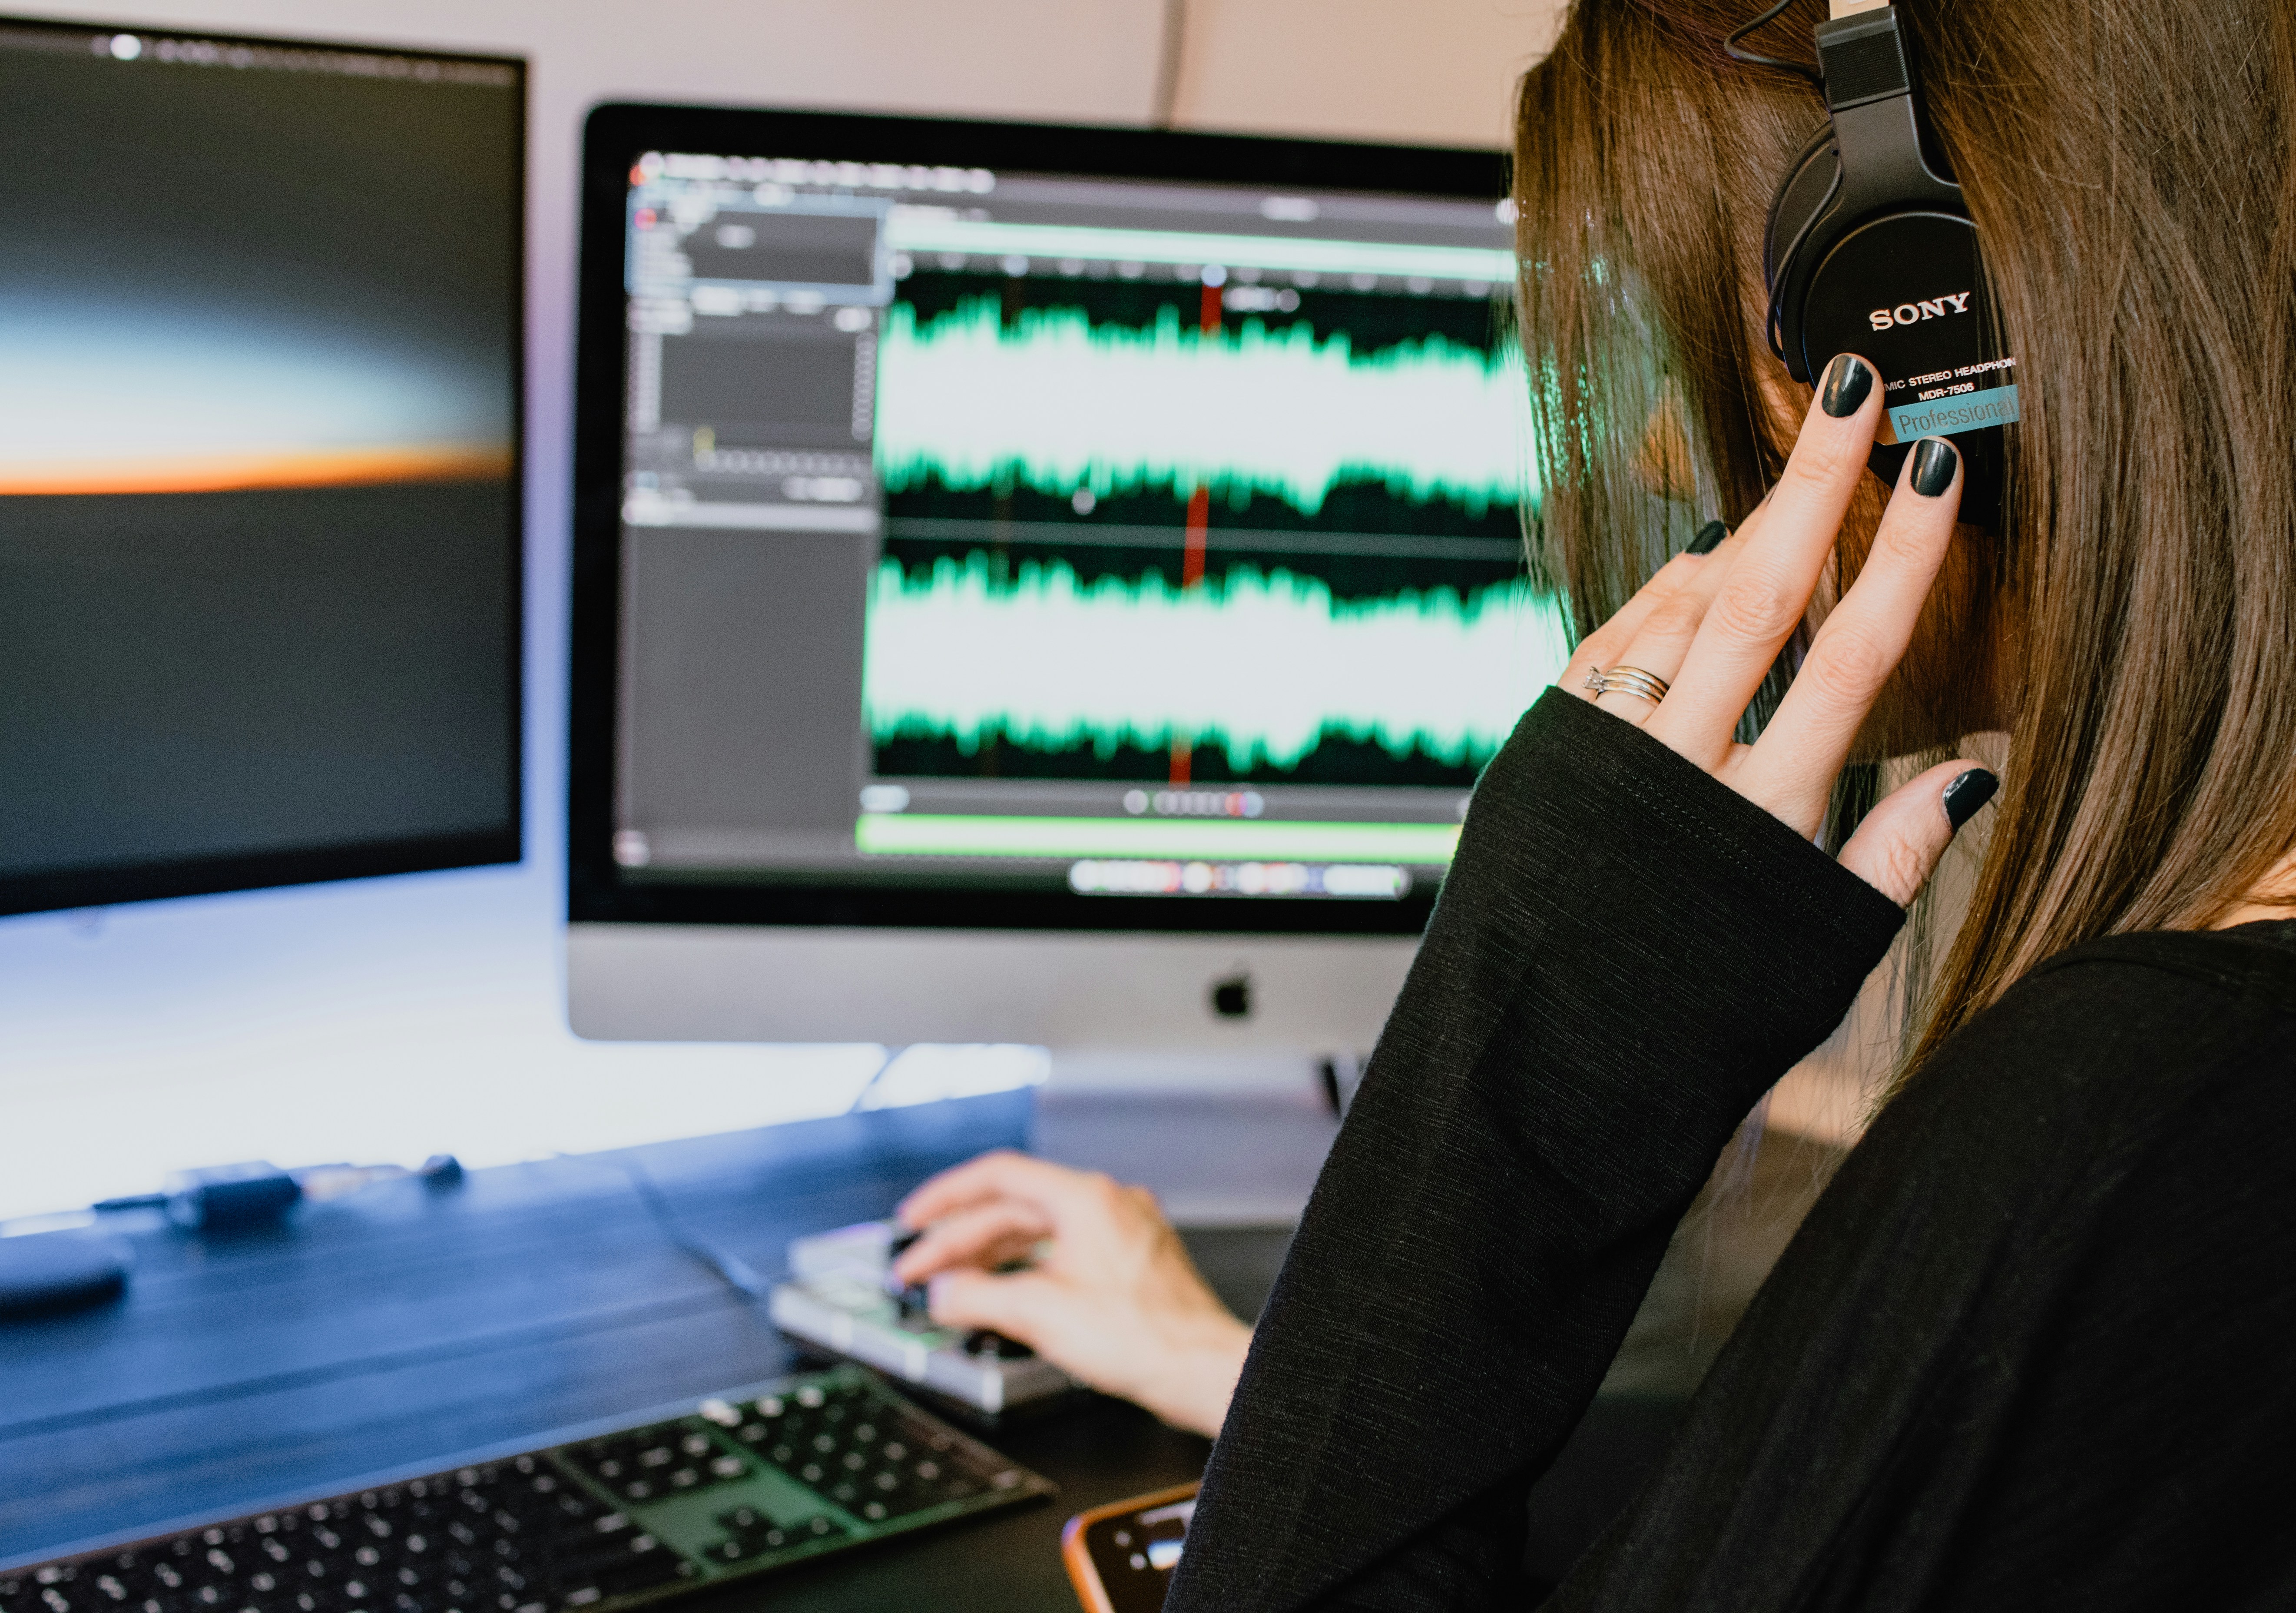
(1628, 680)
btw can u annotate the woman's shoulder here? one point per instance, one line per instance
(2138, 1021)
(2110, 1054)
(2253, 964)
(2035, 1322)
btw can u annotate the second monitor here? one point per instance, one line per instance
(1040, 584)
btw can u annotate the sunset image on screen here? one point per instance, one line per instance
(122, 396)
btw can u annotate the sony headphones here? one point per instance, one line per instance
(1870, 250)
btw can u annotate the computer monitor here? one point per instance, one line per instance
(261, 356)
(1033, 583)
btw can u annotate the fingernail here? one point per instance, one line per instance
(1934, 463)
(1968, 793)
(1709, 536)
(1848, 379)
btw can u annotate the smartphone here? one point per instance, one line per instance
(1120, 1556)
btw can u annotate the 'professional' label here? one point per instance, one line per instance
(1968, 411)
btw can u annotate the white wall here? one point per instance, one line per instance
(387, 1019)
(1434, 70)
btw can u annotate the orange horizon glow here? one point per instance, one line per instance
(260, 471)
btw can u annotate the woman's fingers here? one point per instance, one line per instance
(1776, 569)
(1601, 646)
(1670, 627)
(1606, 645)
(1162, 1339)
(987, 1234)
(1022, 1305)
(1898, 846)
(1002, 1174)
(1790, 770)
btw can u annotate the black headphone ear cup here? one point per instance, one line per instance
(1934, 328)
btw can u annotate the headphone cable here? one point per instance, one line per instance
(1746, 58)
(731, 1269)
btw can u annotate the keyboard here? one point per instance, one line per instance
(741, 1484)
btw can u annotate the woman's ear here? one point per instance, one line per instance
(1664, 462)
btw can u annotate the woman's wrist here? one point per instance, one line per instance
(1195, 1373)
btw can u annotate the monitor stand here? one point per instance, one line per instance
(1233, 1141)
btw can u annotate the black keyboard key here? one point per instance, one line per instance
(643, 1572)
(750, 1535)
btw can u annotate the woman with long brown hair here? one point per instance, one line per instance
(2031, 1346)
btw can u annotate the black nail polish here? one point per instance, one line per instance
(1935, 460)
(1968, 793)
(1709, 538)
(1848, 380)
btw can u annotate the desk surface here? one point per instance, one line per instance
(401, 1327)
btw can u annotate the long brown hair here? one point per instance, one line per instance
(2130, 173)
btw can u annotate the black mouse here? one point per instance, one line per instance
(44, 1274)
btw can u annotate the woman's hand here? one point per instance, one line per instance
(1712, 626)
(1110, 1295)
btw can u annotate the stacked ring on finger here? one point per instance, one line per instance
(1627, 680)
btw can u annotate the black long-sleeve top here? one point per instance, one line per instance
(2035, 1347)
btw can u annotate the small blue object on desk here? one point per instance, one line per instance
(222, 1198)
(45, 1274)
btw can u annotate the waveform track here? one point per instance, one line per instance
(1053, 403)
(1264, 665)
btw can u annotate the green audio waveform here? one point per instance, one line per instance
(1054, 404)
(1262, 665)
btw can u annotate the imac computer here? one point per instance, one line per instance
(1033, 584)
(260, 333)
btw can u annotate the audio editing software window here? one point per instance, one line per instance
(1029, 531)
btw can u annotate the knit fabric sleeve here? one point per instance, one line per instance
(1627, 954)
